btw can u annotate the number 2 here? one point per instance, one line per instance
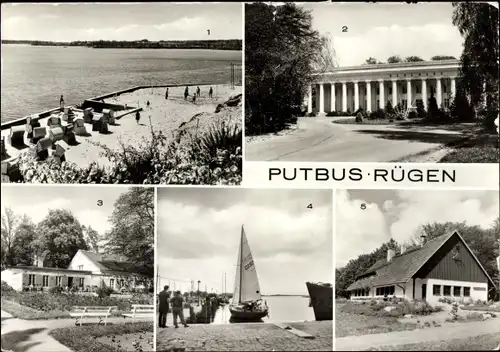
(344, 28)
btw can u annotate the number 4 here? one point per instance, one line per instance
(310, 206)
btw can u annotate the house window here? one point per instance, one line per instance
(456, 291)
(390, 90)
(80, 281)
(447, 291)
(112, 283)
(386, 290)
(378, 90)
(447, 102)
(404, 90)
(417, 89)
(466, 291)
(31, 280)
(45, 281)
(79, 267)
(436, 290)
(58, 280)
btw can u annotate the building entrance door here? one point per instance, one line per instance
(424, 291)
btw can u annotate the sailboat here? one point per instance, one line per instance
(247, 304)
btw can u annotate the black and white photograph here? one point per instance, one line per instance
(77, 267)
(372, 82)
(244, 269)
(417, 270)
(122, 93)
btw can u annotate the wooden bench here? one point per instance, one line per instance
(140, 311)
(100, 312)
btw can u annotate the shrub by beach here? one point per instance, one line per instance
(211, 157)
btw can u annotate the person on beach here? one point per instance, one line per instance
(137, 117)
(163, 307)
(210, 92)
(178, 308)
(186, 93)
(147, 104)
(198, 92)
(194, 98)
(166, 94)
(61, 103)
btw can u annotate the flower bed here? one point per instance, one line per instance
(93, 338)
(352, 121)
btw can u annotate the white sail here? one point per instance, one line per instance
(246, 284)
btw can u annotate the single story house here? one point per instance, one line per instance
(441, 267)
(87, 271)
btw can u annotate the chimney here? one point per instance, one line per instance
(390, 254)
(403, 248)
(38, 261)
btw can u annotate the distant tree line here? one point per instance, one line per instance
(483, 243)
(229, 44)
(397, 59)
(60, 235)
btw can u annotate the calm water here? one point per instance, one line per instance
(281, 309)
(34, 77)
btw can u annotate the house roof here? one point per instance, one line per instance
(44, 269)
(111, 264)
(402, 267)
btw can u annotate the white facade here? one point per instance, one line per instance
(460, 291)
(371, 86)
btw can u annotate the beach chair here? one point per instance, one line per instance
(16, 136)
(88, 114)
(79, 127)
(96, 123)
(56, 134)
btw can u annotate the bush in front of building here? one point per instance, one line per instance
(55, 289)
(104, 291)
(7, 291)
(378, 115)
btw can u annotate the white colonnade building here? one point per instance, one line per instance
(370, 87)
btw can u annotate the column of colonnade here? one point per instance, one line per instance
(368, 93)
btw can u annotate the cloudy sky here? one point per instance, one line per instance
(35, 201)
(199, 233)
(129, 21)
(398, 214)
(385, 29)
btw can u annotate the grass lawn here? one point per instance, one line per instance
(90, 338)
(22, 312)
(349, 323)
(473, 155)
(479, 343)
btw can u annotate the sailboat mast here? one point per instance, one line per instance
(241, 261)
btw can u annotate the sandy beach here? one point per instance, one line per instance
(165, 115)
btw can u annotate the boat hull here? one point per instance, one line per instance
(247, 316)
(321, 300)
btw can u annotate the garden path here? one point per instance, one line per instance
(317, 139)
(447, 332)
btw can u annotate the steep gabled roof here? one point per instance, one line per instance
(402, 268)
(110, 264)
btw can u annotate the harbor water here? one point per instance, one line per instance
(281, 309)
(34, 77)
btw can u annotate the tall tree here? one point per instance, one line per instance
(371, 61)
(60, 236)
(282, 51)
(10, 222)
(92, 238)
(132, 233)
(23, 242)
(478, 25)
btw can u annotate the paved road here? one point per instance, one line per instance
(445, 332)
(246, 337)
(318, 139)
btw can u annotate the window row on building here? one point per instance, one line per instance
(45, 280)
(445, 290)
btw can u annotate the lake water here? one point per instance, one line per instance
(34, 77)
(281, 309)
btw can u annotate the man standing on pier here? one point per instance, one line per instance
(163, 307)
(210, 92)
(61, 103)
(186, 93)
(178, 308)
(166, 94)
(198, 92)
